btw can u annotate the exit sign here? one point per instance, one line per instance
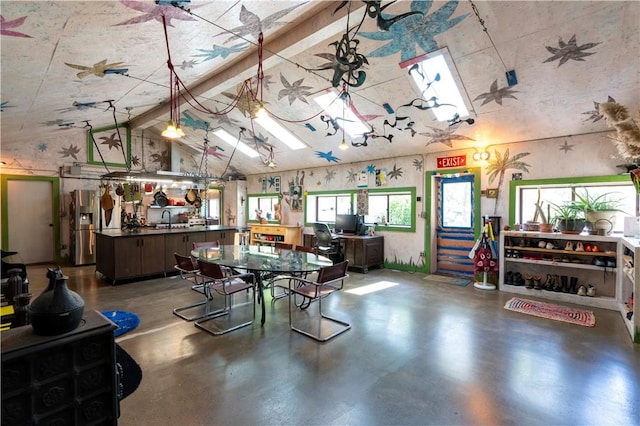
(447, 162)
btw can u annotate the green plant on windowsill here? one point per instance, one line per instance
(600, 211)
(568, 218)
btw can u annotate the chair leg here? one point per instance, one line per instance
(204, 306)
(226, 312)
(345, 326)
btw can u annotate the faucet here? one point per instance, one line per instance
(162, 217)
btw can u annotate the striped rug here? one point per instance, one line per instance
(551, 311)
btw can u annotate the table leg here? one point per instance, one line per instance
(260, 284)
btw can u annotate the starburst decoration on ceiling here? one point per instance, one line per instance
(419, 29)
(566, 147)
(594, 114)
(220, 51)
(570, 50)
(395, 173)
(253, 25)
(187, 64)
(352, 175)
(5, 25)
(162, 158)
(495, 94)
(42, 147)
(70, 151)
(214, 151)
(195, 123)
(110, 141)
(444, 137)
(418, 164)
(329, 176)
(246, 103)
(98, 69)
(224, 119)
(153, 11)
(327, 156)
(294, 90)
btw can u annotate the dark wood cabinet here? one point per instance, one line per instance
(130, 257)
(69, 379)
(225, 237)
(181, 244)
(362, 252)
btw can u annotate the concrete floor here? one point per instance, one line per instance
(418, 353)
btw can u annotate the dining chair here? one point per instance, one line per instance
(330, 279)
(188, 270)
(217, 281)
(284, 246)
(306, 249)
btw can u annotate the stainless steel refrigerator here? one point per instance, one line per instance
(83, 213)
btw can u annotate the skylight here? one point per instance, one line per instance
(337, 109)
(278, 131)
(233, 141)
(435, 78)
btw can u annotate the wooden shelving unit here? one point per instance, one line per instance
(270, 234)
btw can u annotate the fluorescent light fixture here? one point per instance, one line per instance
(278, 131)
(235, 143)
(337, 109)
(445, 89)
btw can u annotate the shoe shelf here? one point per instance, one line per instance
(629, 286)
(561, 264)
(563, 252)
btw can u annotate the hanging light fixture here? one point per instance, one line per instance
(173, 130)
(343, 145)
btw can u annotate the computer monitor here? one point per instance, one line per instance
(347, 223)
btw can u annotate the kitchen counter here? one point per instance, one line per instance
(149, 230)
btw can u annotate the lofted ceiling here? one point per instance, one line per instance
(68, 62)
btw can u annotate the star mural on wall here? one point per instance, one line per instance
(329, 176)
(70, 151)
(352, 175)
(294, 90)
(570, 50)
(594, 114)
(566, 147)
(162, 159)
(495, 94)
(96, 69)
(135, 160)
(419, 29)
(220, 51)
(110, 141)
(42, 147)
(152, 11)
(6, 25)
(4, 105)
(418, 163)
(253, 25)
(371, 169)
(327, 156)
(395, 173)
(444, 137)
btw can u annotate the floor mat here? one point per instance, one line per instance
(462, 282)
(126, 321)
(551, 311)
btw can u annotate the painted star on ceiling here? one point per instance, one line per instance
(570, 50)
(247, 103)
(566, 147)
(594, 114)
(213, 151)
(221, 119)
(267, 81)
(495, 94)
(294, 90)
(5, 25)
(194, 123)
(221, 51)
(97, 69)
(444, 137)
(253, 25)
(260, 140)
(418, 163)
(327, 156)
(395, 173)
(420, 30)
(110, 141)
(42, 147)
(329, 176)
(187, 64)
(70, 151)
(153, 11)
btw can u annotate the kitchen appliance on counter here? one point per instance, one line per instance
(83, 213)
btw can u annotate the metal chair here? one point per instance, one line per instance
(306, 249)
(326, 244)
(330, 279)
(215, 280)
(284, 246)
(189, 271)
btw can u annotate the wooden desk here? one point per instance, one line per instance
(362, 252)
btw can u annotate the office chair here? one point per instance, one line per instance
(326, 244)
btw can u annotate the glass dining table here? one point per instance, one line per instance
(262, 261)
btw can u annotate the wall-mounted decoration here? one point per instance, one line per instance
(274, 184)
(566, 147)
(296, 197)
(362, 202)
(109, 146)
(329, 176)
(569, 50)
(516, 176)
(363, 179)
(263, 185)
(492, 192)
(395, 173)
(594, 114)
(14, 23)
(381, 177)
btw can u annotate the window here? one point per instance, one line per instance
(263, 203)
(559, 191)
(390, 209)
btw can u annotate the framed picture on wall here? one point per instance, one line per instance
(492, 192)
(110, 146)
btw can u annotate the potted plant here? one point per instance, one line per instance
(568, 218)
(599, 210)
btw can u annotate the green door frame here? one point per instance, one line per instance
(475, 171)
(4, 208)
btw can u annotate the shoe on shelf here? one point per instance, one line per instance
(542, 244)
(569, 246)
(508, 278)
(548, 284)
(599, 261)
(550, 246)
(579, 246)
(610, 263)
(573, 285)
(557, 284)
(582, 291)
(591, 291)
(537, 282)
(528, 281)
(518, 279)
